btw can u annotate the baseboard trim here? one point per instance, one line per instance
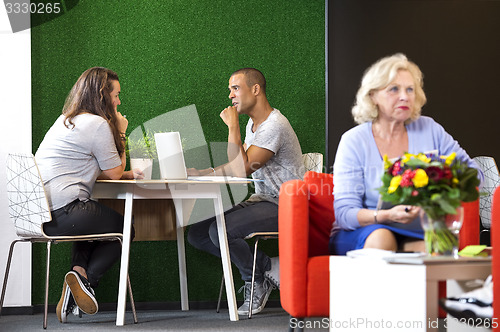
(26, 310)
(143, 306)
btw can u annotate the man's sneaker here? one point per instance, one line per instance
(66, 304)
(261, 293)
(82, 292)
(273, 275)
(476, 304)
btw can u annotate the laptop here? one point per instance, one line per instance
(173, 165)
(170, 156)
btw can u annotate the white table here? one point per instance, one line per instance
(180, 191)
(372, 294)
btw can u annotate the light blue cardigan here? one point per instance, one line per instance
(358, 165)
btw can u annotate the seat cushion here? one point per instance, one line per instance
(469, 234)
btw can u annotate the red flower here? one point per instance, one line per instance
(447, 174)
(414, 193)
(434, 173)
(406, 178)
(396, 168)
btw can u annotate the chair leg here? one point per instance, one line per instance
(131, 296)
(253, 278)
(46, 308)
(220, 293)
(7, 270)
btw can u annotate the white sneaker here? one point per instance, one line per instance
(273, 275)
(476, 304)
(261, 292)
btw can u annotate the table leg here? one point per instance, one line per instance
(432, 299)
(122, 286)
(226, 260)
(181, 253)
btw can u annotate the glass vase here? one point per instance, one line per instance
(145, 165)
(441, 235)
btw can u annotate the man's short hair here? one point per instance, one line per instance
(253, 76)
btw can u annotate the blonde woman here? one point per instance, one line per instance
(387, 110)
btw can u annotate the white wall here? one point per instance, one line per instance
(15, 135)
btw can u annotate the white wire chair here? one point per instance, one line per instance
(313, 161)
(490, 183)
(29, 210)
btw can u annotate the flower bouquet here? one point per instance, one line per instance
(439, 185)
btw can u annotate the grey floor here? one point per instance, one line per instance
(271, 319)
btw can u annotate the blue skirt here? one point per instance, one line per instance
(343, 241)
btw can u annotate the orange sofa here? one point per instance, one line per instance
(305, 219)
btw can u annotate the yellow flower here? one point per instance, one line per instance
(406, 157)
(387, 163)
(455, 181)
(420, 179)
(424, 158)
(395, 181)
(449, 159)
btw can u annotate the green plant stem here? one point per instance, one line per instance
(440, 241)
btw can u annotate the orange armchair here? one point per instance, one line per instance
(305, 218)
(495, 264)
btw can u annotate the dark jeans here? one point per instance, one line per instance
(241, 220)
(84, 218)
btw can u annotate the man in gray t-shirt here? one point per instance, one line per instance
(271, 153)
(275, 134)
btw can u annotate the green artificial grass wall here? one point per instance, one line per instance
(170, 54)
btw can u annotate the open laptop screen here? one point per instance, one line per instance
(170, 156)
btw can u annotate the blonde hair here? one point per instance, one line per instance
(379, 76)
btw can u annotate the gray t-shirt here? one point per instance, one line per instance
(277, 135)
(71, 159)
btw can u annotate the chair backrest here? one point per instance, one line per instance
(321, 213)
(490, 183)
(313, 161)
(28, 205)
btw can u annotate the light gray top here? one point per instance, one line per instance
(71, 159)
(277, 135)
